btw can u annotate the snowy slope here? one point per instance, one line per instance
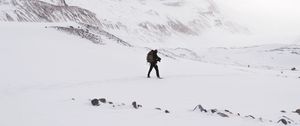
(48, 78)
(39, 11)
(165, 23)
(49, 72)
(272, 56)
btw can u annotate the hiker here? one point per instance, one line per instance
(152, 58)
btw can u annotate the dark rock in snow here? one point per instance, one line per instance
(200, 108)
(250, 116)
(283, 111)
(103, 100)
(135, 105)
(283, 121)
(228, 111)
(158, 108)
(167, 111)
(213, 110)
(110, 103)
(260, 119)
(95, 102)
(293, 69)
(289, 120)
(222, 114)
(298, 111)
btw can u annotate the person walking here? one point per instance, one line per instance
(152, 58)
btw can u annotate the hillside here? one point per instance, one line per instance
(159, 23)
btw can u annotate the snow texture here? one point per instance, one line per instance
(73, 62)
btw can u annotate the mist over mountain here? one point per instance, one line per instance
(236, 23)
(138, 21)
(270, 21)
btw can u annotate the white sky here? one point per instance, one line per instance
(279, 19)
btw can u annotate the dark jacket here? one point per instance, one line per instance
(152, 57)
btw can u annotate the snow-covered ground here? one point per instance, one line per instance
(48, 78)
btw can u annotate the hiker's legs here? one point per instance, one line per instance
(150, 69)
(157, 71)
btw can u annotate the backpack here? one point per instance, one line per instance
(150, 56)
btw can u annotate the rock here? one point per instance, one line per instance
(250, 116)
(293, 69)
(95, 102)
(297, 111)
(261, 119)
(73, 99)
(167, 111)
(228, 111)
(103, 100)
(283, 121)
(158, 108)
(213, 110)
(283, 111)
(289, 120)
(134, 104)
(110, 103)
(222, 114)
(200, 108)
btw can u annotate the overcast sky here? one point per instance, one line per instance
(278, 18)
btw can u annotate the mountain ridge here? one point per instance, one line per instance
(157, 20)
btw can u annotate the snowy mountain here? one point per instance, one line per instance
(38, 11)
(157, 22)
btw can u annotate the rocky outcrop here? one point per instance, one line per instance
(39, 11)
(92, 33)
(82, 33)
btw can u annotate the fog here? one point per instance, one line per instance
(270, 21)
